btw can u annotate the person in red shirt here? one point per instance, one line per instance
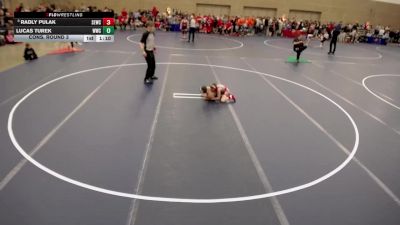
(10, 38)
(157, 24)
(250, 22)
(154, 12)
(123, 18)
(198, 20)
(184, 27)
(220, 25)
(209, 23)
(228, 27)
(144, 19)
(19, 8)
(329, 29)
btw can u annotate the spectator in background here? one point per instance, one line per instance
(19, 8)
(353, 35)
(272, 28)
(10, 38)
(130, 19)
(220, 25)
(8, 20)
(154, 12)
(3, 26)
(266, 24)
(136, 15)
(381, 31)
(2, 14)
(123, 19)
(280, 27)
(29, 53)
(2, 40)
(228, 27)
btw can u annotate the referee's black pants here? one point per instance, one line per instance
(192, 30)
(333, 44)
(151, 65)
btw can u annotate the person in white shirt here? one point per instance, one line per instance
(324, 37)
(147, 46)
(192, 28)
(381, 31)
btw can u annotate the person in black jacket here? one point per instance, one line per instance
(147, 45)
(29, 53)
(335, 34)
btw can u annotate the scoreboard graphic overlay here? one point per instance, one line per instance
(64, 27)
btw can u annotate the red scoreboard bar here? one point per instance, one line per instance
(108, 22)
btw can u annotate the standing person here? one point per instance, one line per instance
(298, 47)
(147, 45)
(19, 8)
(266, 26)
(154, 12)
(192, 28)
(184, 27)
(136, 21)
(334, 39)
(323, 36)
(353, 34)
(220, 25)
(131, 20)
(228, 28)
(123, 19)
(209, 24)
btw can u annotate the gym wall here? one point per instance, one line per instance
(327, 10)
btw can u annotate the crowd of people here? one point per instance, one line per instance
(6, 27)
(171, 20)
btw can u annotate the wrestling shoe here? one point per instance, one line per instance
(232, 98)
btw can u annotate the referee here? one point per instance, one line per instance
(334, 39)
(192, 28)
(147, 45)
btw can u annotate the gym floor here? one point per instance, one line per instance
(310, 143)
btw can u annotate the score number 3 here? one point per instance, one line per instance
(108, 22)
